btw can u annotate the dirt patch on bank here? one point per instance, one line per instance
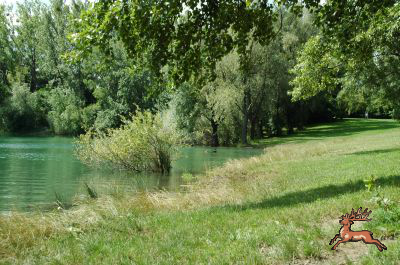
(346, 253)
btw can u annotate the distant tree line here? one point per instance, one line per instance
(42, 88)
(220, 79)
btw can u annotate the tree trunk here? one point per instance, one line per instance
(290, 129)
(278, 121)
(246, 99)
(253, 127)
(33, 80)
(301, 117)
(260, 132)
(214, 134)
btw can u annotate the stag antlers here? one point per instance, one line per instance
(358, 216)
(347, 235)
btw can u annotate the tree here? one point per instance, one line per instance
(28, 42)
(196, 107)
(364, 68)
(7, 62)
(75, 95)
(118, 87)
(189, 35)
(247, 101)
(317, 69)
(185, 35)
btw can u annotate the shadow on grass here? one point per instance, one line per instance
(311, 195)
(377, 152)
(339, 128)
(350, 127)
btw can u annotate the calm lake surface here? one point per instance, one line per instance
(34, 169)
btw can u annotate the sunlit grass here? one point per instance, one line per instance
(280, 207)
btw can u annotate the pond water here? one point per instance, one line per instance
(34, 169)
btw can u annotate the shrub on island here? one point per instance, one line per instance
(142, 143)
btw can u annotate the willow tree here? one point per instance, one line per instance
(186, 38)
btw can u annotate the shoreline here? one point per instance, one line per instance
(243, 206)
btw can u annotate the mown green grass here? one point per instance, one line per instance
(282, 207)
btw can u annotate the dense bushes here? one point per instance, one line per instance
(47, 82)
(396, 112)
(23, 110)
(143, 143)
(65, 114)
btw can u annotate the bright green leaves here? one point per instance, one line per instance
(359, 55)
(142, 143)
(6, 52)
(317, 70)
(187, 36)
(384, 30)
(248, 3)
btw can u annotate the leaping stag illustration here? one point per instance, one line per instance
(347, 235)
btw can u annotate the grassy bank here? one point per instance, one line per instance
(281, 207)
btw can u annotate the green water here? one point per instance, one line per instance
(34, 169)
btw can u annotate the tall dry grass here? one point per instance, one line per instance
(236, 182)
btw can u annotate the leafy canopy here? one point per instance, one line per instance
(362, 61)
(187, 35)
(190, 36)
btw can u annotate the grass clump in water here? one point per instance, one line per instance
(91, 191)
(279, 208)
(143, 143)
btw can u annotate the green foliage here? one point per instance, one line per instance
(187, 35)
(387, 216)
(228, 60)
(91, 191)
(377, 197)
(252, 100)
(386, 221)
(396, 112)
(65, 114)
(117, 88)
(61, 202)
(356, 55)
(76, 96)
(317, 70)
(141, 144)
(7, 63)
(23, 110)
(28, 42)
(343, 22)
(370, 183)
(190, 36)
(258, 208)
(188, 177)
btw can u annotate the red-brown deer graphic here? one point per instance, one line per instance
(347, 235)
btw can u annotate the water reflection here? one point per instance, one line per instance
(33, 169)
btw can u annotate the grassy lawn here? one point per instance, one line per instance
(279, 208)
